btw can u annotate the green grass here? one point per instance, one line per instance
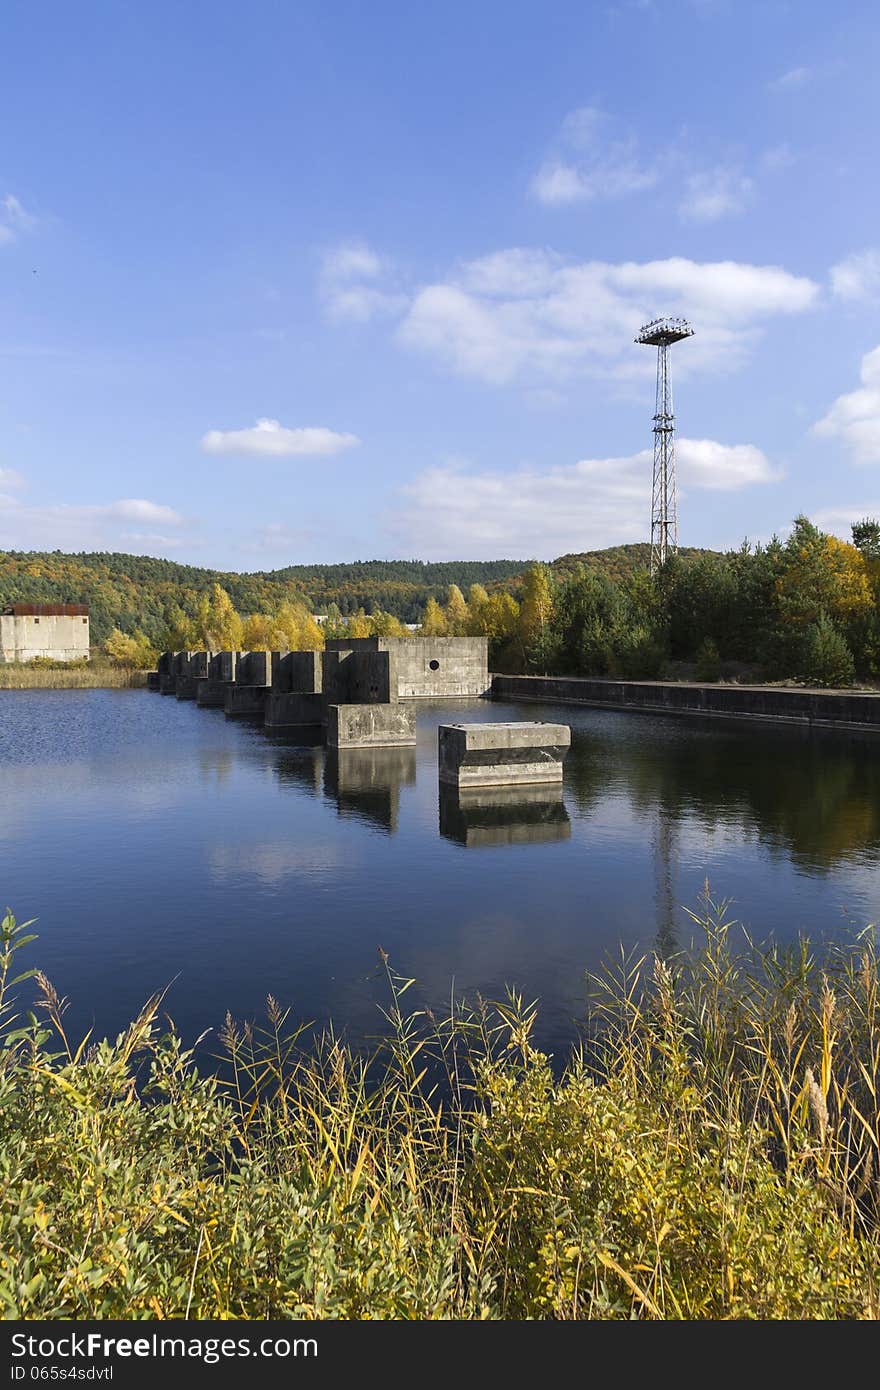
(710, 1152)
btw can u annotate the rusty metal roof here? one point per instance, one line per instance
(46, 610)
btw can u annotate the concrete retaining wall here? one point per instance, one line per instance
(370, 726)
(820, 708)
(429, 667)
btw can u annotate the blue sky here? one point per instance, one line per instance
(320, 281)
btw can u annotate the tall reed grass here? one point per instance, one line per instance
(710, 1151)
(32, 675)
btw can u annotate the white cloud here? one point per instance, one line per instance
(588, 163)
(356, 283)
(790, 81)
(270, 439)
(854, 418)
(149, 538)
(857, 276)
(522, 312)
(80, 526)
(14, 219)
(839, 520)
(11, 478)
(715, 193)
(452, 510)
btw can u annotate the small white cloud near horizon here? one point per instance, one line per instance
(271, 439)
(454, 509)
(14, 218)
(857, 276)
(357, 284)
(76, 526)
(839, 520)
(792, 80)
(854, 418)
(11, 478)
(589, 162)
(715, 193)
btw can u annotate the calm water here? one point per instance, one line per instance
(159, 842)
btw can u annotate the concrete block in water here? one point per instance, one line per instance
(489, 755)
(298, 673)
(186, 687)
(294, 710)
(245, 701)
(485, 816)
(254, 668)
(211, 692)
(153, 680)
(370, 726)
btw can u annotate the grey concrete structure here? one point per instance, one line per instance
(429, 667)
(51, 631)
(489, 755)
(814, 708)
(245, 701)
(480, 817)
(297, 673)
(370, 726)
(295, 710)
(211, 690)
(192, 670)
(359, 675)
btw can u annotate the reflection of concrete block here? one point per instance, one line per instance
(366, 782)
(245, 701)
(370, 726)
(487, 755)
(294, 710)
(480, 816)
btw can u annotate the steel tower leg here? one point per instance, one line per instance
(664, 520)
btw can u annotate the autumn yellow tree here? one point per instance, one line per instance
(216, 625)
(535, 614)
(434, 620)
(456, 612)
(131, 649)
(476, 615)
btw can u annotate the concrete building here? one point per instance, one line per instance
(55, 631)
(429, 668)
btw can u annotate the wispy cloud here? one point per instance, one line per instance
(838, 520)
(715, 193)
(590, 161)
(854, 418)
(454, 509)
(14, 218)
(857, 276)
(358, 284)
(84, 526)
(791, 80)
(271, 439)
(533, 315)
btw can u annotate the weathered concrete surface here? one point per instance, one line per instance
(53, 631)
(186, 687)
(245, 701)
(488, 816)
(816, 708)
(366, 782)
(211, 693)
(153, 680)
(294, 710)
(223, 665)
(298, 673)
(429, 667)
(370, 726)
(362, 676)
(490, 755)
(254, 668)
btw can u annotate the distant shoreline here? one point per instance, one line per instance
(27, 677)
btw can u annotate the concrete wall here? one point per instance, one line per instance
(254, 668)
(298, 673)
(819, 708)
(370, 726)
(294, 709)
(362, 675)
(429, 667)
(55, 637)
(506, 754)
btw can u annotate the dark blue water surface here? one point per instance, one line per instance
(157, 842)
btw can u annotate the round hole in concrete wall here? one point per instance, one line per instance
(434, 665)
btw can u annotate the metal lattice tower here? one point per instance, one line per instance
(662, 333)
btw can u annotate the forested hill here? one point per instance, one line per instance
(131, 591)
(617, 561)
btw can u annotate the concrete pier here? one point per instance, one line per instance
(490, 755)
(428, 668)
(295, 710)
(480, 817)
(211, 689)
(370, 726)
